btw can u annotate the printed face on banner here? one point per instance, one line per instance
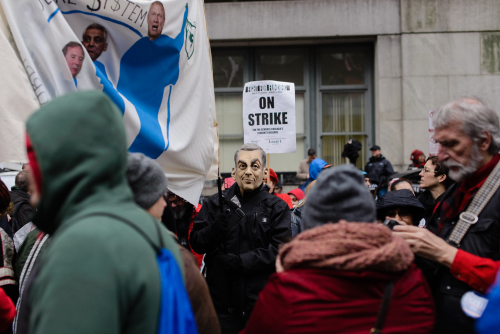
(156, 20)
(148, 57)
(74, 57)
(94, 42)
(249, 171)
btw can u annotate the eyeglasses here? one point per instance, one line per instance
(400, 212)
(174, 199)
(427, 170)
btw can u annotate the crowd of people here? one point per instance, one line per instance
(94, 242)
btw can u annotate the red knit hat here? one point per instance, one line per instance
(297, 193)
(273, 176)
(416, 154)
(4, 196)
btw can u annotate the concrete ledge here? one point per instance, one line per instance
(296, 19)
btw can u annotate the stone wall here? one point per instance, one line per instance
(427, 52)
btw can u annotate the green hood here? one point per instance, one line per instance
(79, 142)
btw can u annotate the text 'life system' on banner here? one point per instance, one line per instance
(152, 58)
(269, 115)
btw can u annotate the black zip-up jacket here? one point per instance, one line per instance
(482, 239)
(25, 209)
(255, 238)
(378, 170)
(429, 203)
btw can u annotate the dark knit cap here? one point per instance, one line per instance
(146, 178)
(339, 193)
(4, 196)
(400, 198)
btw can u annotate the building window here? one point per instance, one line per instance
(332, 98)
(344, 92)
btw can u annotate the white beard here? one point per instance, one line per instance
(465, 171)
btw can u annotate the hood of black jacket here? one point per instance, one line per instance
(375, 159)
(17, 195)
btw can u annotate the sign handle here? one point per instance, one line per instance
(268, 161)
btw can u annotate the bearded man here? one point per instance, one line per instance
(240, 237)
(469, 136)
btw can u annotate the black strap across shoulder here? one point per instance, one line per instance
(384, 309)
(238, 213)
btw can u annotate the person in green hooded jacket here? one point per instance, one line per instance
(98, 274)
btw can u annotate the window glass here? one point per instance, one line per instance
(333, 146)
(339, 68)
(229, 114)
(343, 112)
(228, 70)
(282, 67)
(299, 112)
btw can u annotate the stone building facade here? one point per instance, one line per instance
(376, 67)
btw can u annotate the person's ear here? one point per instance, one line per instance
(485, 143)
(105, 47)
(233, 173)
(266, 172)
(442, 178)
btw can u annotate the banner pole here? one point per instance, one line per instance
(268, 161)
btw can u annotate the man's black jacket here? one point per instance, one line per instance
(482, 239)
(378, 170)
(255, 238)
(21, 199)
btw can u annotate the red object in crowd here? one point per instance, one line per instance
(310, 300)
(414, 158)
(287, 199)
(199, 257)
(35, 168)
(273, 176)
(228, 182)
(7, 311)
(297, 193)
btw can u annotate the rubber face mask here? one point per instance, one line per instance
(249, 171)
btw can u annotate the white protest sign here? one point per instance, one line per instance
(269, 115)
(433, 146)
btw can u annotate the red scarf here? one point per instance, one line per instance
(458, 201)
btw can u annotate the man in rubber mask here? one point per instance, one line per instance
(241, 243)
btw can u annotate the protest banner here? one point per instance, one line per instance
(269, 115)
(151, 58)
(433, 146)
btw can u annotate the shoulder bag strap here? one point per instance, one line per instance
(384, 309)
(470, 216)
(239, 213)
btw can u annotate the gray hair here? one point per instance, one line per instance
(250, 147)
(73, 45)
(475, 117)
(98, 27)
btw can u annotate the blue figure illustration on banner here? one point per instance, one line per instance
(146, 69)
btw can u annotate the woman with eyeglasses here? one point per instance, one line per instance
(434, 180)
(401, 206)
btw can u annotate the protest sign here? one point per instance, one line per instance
(151, 58)
(269, 115)
(433, 146)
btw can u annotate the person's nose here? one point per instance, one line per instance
(91, 42)
(442, 153)
(421, 173)
(397, 217)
